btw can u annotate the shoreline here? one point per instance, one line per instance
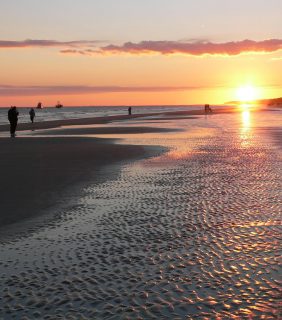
(106, 119)
(51, 124)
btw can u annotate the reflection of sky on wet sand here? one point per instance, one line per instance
(180, 142)
(246, 122)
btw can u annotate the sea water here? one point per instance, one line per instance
(49, 114)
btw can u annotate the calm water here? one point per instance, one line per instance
(46, 114)
(194, 233)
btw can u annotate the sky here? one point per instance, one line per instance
(138, 52)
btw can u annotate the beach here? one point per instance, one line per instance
(173, 215)
(36, 171)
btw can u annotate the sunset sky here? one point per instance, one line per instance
(110, 52)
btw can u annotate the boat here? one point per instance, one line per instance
(39, 106)
(58, 105)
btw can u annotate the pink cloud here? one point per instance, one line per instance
(194, 48)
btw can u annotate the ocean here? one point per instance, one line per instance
(47, 114)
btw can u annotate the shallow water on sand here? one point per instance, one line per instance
(192, 234)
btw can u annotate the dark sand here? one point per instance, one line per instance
(103, 130)
(36, 172)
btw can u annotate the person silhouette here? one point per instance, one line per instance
(129, 111)
(31, 114)
(207, 108)
(13, 119)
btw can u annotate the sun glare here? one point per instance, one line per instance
(247, 93)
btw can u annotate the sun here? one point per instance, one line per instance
(247, 93)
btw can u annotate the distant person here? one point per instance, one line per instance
(129, 111)
(13, 119)
(32, 114)
(207, 109)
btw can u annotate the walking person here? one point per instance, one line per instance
(129, 111)
(31, 114)
(13, 119)
(208, 109)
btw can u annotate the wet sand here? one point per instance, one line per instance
(36, 172)
(81, 130)
(192, 234)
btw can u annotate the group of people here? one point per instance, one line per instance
(13, 115)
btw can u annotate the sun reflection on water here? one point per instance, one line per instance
(246, 120)
(245, 130)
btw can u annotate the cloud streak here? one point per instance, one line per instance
(195, 48)
(199, 48)
(190, 48)
(6, 90)
(29, 43)
(41, 91)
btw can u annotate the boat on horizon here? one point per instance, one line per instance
(58, 105)
(39, 106)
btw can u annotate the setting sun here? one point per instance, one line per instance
(247, 93)
(140, 159)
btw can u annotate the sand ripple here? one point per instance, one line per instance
(197, 238)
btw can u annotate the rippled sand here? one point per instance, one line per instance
(192, 234)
